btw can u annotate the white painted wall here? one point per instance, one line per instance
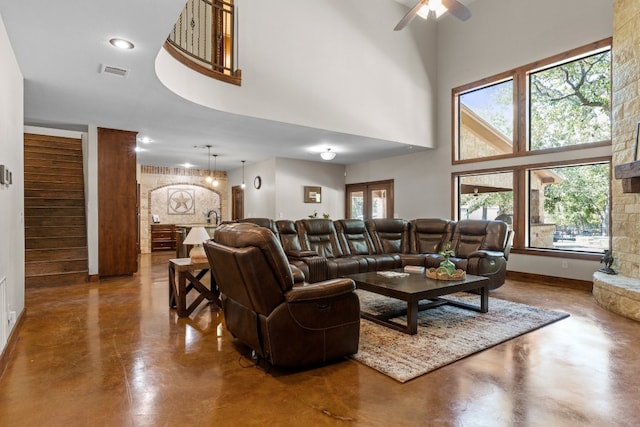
(258, 203)
(501, 35)
(291, 178)
(329, 64)
(11, 197)
(282, 192)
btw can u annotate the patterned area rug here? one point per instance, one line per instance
(445, 334)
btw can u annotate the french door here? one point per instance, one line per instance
(368, 200)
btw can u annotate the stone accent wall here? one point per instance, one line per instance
(158, 177)
(626, 114)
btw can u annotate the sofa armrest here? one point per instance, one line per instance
(486, 254)
(298, 275)
(300, 254)
(321, 290)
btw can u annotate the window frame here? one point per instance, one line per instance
(521, 204)
(520, 77)
(521, 160)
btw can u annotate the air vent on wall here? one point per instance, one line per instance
(108, 69)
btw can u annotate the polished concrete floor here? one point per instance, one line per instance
(114, 354)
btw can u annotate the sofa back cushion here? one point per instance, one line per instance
(476, 234)
(288, 235)
(354, 237)
(428, 235)
(262, 222)
(389, 235)
(319, 235)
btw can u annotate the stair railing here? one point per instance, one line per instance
(204, 39)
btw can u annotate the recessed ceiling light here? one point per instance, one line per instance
(188, 165)
(121, 43)
(138, 149)
(145, 140)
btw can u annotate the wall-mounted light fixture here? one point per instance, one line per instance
(242, 185)
(215, 170)
(328, 155)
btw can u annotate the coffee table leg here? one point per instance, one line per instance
(484, 299)
(412, 316)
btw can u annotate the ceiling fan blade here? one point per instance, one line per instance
(409, 16)
(457, 9)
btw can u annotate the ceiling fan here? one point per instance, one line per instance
(434, 9)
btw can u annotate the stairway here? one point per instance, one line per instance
(55, 220)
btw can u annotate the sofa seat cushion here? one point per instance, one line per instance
(338, 267)
(384, 262)
(413, 259)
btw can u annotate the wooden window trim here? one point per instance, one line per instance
(520, 76)
(521, 193)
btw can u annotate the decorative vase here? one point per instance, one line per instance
(448, 265)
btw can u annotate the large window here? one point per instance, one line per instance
(527, 115)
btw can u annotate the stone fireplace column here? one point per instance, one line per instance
(621, 293)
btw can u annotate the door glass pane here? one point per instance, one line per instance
(488, 196)
(357, 204)
(486, 122)
(378, 203)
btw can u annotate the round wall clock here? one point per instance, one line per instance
(257, 182)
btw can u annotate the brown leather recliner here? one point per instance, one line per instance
(320, 235)
(427, 236)
(313, 267)
(390, 236)
(481, 247)
(289, 324)
(356, 242)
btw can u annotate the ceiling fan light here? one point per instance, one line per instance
(423, 12)
(437, 7)
(328, 155)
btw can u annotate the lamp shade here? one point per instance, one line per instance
(328, 155)
(196, 236)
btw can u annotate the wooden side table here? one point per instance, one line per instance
(179, 289)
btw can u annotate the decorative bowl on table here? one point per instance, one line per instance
(442, 273)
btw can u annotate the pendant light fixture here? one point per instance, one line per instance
(209, 179)
(242, 185)
(215, 170)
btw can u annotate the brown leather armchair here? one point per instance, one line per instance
(288, 323)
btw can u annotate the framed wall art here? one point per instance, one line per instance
(312, 194)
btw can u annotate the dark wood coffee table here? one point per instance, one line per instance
(414, 288)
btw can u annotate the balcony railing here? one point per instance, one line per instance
(204, 39)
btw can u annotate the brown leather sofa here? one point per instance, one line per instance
(287, 322)
(323, 249)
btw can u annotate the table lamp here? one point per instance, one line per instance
(196, 236)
